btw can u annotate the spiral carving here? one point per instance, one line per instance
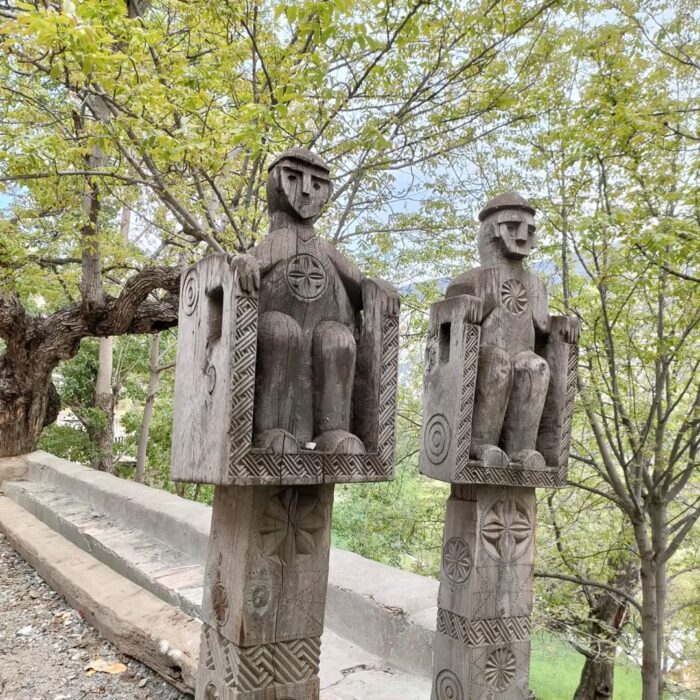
(190, 292)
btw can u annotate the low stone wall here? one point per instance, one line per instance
(388, 612)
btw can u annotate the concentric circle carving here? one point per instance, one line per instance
(306, 276)
(448, 686)
(514, 296)
(507, 530)
(437, 438)
(499, 670)
(456, 560)
(259, 593)
(190, 292)
(219, 604)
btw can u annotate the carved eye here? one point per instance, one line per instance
(512, 226)
(317, 186)
(531, 230)
(291, 178)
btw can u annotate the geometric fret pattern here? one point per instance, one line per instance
(472, 334)
(567, 422)
(243, 381)
(483, 632)
(255, 668)
(250, 467)
(476, 473)
(388, 392)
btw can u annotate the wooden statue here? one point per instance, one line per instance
(285, 385)
(500, 384)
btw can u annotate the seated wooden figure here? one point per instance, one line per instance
(516, 363)
(298, 375)
(500, 384)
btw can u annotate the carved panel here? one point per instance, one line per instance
(506, 530)
(306, 277)
(228, 668)
(483, 632)
(388, 387)
(456, 560)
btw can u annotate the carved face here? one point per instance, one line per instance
(302, 189)
(511, 231)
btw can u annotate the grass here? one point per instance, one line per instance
(555, 670)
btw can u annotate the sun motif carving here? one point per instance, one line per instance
(499, 670)
(514, 296)
(291, 525)
(456, 560)
(507, 530)
(306, 276)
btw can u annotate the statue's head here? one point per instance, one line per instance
(507, 228)
(298, 183)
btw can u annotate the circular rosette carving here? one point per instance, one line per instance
(456, 560)
(448, 686)
(514, 296)
(437, 438)
(190, 292)
(499, 670)
(306, 276)
(507, 530)
(292, 524)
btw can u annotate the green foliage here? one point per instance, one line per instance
(69, 443)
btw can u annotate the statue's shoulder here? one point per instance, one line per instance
(475, 282)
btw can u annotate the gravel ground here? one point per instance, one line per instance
(46, 647)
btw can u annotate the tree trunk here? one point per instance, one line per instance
(28, 402)
(650, 630)
(148, 410)
(607, 616)
(104, 400)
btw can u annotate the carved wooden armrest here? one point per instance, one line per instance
(376, 372)
(452, 355)
(561, 353)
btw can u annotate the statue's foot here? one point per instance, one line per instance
(277, 441)
(339, 442)
(530, 459)
(490, 455)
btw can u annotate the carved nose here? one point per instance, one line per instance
(521, 233)
(306, 183)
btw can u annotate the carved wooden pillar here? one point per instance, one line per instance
(276, 349)
(500, 383)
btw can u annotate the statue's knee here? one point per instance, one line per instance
(495, 364)
(531, 364)
(335, 339)
(276, 329)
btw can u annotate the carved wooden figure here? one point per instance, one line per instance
(500, 384)
(285, 385)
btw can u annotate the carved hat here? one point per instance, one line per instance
(506, 200)
(302, 154)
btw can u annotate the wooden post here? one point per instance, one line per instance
(285, 384)
(500, 383)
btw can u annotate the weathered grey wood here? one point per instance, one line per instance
(274, 408)
(498, 408)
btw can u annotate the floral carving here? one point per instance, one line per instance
(507, 530)
(514, 296)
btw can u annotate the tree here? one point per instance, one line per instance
(110, 103)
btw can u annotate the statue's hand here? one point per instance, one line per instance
(248, 272)
(567, 327)
(390, 297)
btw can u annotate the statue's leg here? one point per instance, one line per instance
(493, 385)
(522, 420)
(334, 355)
(276, 378)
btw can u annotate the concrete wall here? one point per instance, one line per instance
(388, 612)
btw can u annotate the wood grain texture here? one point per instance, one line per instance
(482, 645)
(267, 564)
